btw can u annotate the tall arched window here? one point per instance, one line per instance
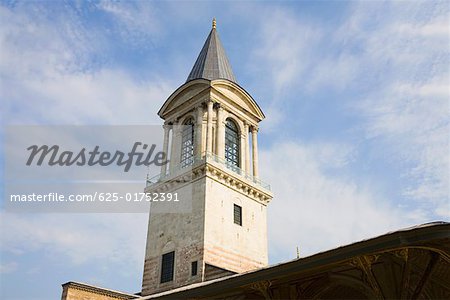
(232, 147)
(187, 143)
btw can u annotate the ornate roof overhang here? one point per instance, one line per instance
(413, 263)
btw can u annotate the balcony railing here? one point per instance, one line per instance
(208, 157)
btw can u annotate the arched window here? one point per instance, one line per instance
(187, 143)
(232, 146)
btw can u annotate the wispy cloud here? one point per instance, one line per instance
(319, 209)
(108, 240)
(53, 71)
(8, 267)
(393, 59)
(49, 75)
(387, 63)
(285, 45)
(408, 113)
(136, 22)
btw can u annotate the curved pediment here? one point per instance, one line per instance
(183, 95)
(221, 90)
(238, 96)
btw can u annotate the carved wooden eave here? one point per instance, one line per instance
(412, 263)
(229, 94)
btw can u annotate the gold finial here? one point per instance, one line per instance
(214, 23)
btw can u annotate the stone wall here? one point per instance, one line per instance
(228, 245)
(179, 232)
(81, 291)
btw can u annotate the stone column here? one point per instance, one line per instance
(174, 153)
(209, 127)
(165, 148)
(220, 137)
(198, 133)
(242, 150)
(255, 151)
(247, 149)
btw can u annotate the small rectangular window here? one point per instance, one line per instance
(194, 267)
(167, 266)
(237, 215)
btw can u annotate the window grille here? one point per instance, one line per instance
(232, 144)
(167, 266)
(237, 214)
(187, 144)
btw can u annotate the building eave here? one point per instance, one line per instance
(419, 237)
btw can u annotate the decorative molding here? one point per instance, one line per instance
(219, 174)
(98, 290)
(402, 253)
(234, 182)
(254, 128)
(263, 287)
(365, 264)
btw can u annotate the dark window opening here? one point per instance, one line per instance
(237, 215)
(167, 267)
(187, 143)
(232, 144)
(194, 267)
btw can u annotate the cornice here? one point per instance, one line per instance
(98, 290)
(217, 173)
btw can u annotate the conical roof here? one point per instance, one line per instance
(212, 62)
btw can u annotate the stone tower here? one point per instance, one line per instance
(210, 135)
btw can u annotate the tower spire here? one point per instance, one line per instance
(212, 62)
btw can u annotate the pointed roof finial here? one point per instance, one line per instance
(212, 62)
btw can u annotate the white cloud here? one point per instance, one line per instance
(108, 240)
(317, 210)
(137, 22)
(407, 112)
(34, 46)
(47, 76)
(8, 267)
(102, 97)
(337, 72)
(393, 59)
(285, 46)
(413, 121)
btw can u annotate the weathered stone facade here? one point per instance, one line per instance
(213, 182)
(179, 232)
(207, 234)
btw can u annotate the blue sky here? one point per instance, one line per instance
(355, 144)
